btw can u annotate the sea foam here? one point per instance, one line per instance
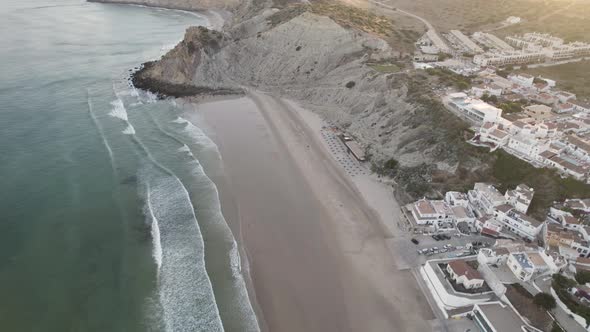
(119, 110)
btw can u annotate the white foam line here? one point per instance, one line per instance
(129, 130)
(155, 231)
(234, 255)
(101, 132)
(119, 110)
(192, 211)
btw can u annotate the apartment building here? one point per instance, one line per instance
(517, 222)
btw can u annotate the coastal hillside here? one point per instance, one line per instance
(340, 68)
(337, 61)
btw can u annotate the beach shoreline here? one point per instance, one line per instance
(308, 236)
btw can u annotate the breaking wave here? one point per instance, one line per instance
(184, 288)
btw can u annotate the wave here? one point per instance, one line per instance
(155, 231)
(100, 132)
(185, 290)
(198, 136)
(207, 199)
(129, 130)
(119, 110)
(184, 148)
(179, 120)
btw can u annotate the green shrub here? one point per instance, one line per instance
(583, 277)
(544, 300)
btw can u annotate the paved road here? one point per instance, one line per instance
(421, 19)
(562, 317)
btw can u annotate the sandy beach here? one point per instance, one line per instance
(316, 250)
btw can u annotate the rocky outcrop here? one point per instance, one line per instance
(297, 54)
(173, 74)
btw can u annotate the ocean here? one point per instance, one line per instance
(108, 218)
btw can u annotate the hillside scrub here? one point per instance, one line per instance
(561, 284)
(449, 78)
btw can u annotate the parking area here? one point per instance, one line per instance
(407, 254)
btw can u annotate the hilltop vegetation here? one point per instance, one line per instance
(571, 77)
(472, 15)
(570, 22)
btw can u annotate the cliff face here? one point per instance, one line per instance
(300, 55)
(308, 58)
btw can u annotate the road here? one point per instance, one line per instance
(562, 317)
(421, 19)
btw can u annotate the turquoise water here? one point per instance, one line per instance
(108, 222)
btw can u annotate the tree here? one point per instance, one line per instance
(545, 300)
(391, 164)
(583, 277)
(462, 85)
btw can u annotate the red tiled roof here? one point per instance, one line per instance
(461, 268)
(547, 154)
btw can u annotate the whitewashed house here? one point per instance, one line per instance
(525, 80)
(486, 89)
(520, 198)
(517, 222)
(431, 213)
(484, 198)
(464, 274)
(521, 266)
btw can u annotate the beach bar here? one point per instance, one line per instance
(354, 148)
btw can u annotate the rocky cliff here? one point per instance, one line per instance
(302, 55)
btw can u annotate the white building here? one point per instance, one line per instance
(578, 147)
(538, 112)
(491, 89)
(578, 204)
(508, 58)
(488, 225)
(475, 110)
(526, 146)
(525, 80)
(492, 41)
(517, 222)
(484, 198)
(513, 20)
(491, 133)
(463, 214)
(466, 42)
(493, 256)
(520, 198)
(464, 274)
(521, 266)
(432, 213)
(456, 198)
(497, 317)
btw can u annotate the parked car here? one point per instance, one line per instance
(414, 241)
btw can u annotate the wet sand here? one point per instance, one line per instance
(316, 251)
